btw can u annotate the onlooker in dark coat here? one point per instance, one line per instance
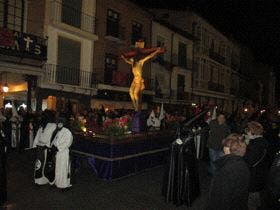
(229, 187)
(271, 193)
(218, 131)
(273, 140)
(3, 181)
(256, 157)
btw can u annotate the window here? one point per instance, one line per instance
(71, 12)
(68, 60)
(222, 50)
(111, 65)
(211, 73)
(182, 55)
(136, 32)
(180, 86)
(113, 23)
(160, 43)
(203, 69)
(2, 13)
(12, 14)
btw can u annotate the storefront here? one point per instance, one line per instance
(21, 61)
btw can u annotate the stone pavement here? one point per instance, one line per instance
(141, 191)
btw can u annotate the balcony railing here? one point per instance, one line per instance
(57, 74)
(184, 63)
(215, 87)
(217, 57)
(201, 84)
(233, 91)
(72, 16)
(117, 79)
(235, 67)
(179, 95)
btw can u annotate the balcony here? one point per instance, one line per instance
(233, 91)
(184, 63)
(72, 16)
(217, 57)
(216, 87)
(117, 79)
(200, 84)
(179, 95)
(56, 74)
(235, 67)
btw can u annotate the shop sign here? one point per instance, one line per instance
(14, 43)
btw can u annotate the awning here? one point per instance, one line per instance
(20, 69)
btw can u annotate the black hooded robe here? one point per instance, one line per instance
(181, 184)
(3, 175)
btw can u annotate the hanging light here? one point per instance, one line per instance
(5, 88)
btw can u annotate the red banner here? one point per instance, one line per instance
(6, 37)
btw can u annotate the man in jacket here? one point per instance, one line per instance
(218, 131)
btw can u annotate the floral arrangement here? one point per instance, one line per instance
(79, 124)
(117, 126)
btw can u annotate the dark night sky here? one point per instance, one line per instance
(253, 23)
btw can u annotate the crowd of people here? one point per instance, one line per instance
(241, 150)
(50, 138)
(240, 163)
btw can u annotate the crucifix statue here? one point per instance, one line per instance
(136, 59)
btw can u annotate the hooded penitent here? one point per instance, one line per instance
(15, 120)
(181, 185)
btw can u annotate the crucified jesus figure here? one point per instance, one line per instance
(137, 62)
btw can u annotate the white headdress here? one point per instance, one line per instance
(15, 116)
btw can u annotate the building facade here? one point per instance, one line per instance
(71, 30)
(172, 71)
(23, 51)
(216, 60)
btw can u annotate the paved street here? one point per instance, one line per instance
(142, 191)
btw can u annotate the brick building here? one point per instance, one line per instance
(120, 23)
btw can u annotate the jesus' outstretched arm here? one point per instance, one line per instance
(126, 60)
(151, 55)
